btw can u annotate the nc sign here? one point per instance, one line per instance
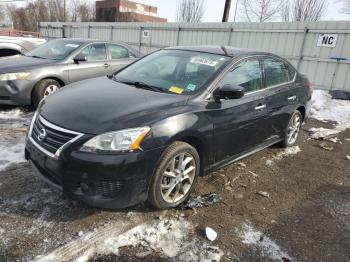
(327, 40)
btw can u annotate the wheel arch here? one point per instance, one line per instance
(197, 140)
(302, 111)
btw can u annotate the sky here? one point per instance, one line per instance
(214, 10)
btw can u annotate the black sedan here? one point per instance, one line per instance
(148, 132)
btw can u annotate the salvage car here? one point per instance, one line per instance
(27, 79)
(147, 132)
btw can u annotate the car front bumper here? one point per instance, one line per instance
(16, 92)
(107, 181)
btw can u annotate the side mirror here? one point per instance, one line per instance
(229, 92)
(80, 58)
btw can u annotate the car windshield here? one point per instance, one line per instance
(55, 50)
(174, 71)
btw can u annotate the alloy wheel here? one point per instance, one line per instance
(178, 177)
(49, 90)
(293, 129)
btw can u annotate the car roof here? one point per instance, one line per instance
(219, 50)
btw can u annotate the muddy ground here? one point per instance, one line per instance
(302, 213)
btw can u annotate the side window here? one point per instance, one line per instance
(276, 72)
(95, 52)
(291, 73)
(118, 52)
(246, 74)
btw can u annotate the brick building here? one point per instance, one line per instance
(126, 11)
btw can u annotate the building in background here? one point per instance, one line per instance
(126, 11)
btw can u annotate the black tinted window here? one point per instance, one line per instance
(118, 52)
(246, 74)
(276, 72)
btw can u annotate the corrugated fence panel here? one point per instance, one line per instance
(327, 67)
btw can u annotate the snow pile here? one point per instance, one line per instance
(169, 238)
(324, 108)
(286, 152)
(12, 135)
(264, 244)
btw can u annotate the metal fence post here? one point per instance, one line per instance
(140, 38)
(229, 35)
(63, 31)
(178, 36)
(306, 30)
(111, 35)
(89, 31)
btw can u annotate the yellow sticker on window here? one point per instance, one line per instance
(176, 90)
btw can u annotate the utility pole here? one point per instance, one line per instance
(226, 11)
(64, 11)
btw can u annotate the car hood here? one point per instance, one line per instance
(22, 63)
(102, 105)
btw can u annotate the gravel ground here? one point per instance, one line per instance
(276, 205)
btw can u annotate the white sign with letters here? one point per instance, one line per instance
(327, 40)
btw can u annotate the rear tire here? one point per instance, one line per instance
(293, 129)
(175, 176)
(42, 89)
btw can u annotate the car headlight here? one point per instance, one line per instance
(123, 140)
(14, 76)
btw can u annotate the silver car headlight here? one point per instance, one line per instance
(14, 76)
(123, 140)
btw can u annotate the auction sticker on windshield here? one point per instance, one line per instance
(176, 90)
(203, 61)
(191, 87)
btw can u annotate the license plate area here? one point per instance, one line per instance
(36, 155)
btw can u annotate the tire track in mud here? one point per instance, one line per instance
(83, 248)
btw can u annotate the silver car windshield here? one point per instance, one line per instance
(55, 50)
(174, 71)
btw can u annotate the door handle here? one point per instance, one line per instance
(259, 107)
(106, 65)
(292, 98)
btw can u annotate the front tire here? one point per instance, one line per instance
(43, 89)
(175, 176)
(293, 129)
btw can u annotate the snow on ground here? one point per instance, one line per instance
(12, 134)
(167, 238)
(263, 244)
(286, 152)
(324, 108)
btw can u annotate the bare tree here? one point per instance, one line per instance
(346, 6)
(286, 11)
(308, 10)
(190, 11)
(260, 10)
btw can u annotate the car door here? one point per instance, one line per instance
(119, 56)
(280, 93)
(239, 124)
(95, 66)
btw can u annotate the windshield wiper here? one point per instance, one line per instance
(35, 56)
(142, 85)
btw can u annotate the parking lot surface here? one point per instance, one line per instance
(276, 205)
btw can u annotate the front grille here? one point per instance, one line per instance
(108, 189)
(55, 137)
(103, 188)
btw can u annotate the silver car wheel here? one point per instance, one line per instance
(293, 129)
(178, 177)
(49, 90)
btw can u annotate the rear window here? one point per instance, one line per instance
(276, 72)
